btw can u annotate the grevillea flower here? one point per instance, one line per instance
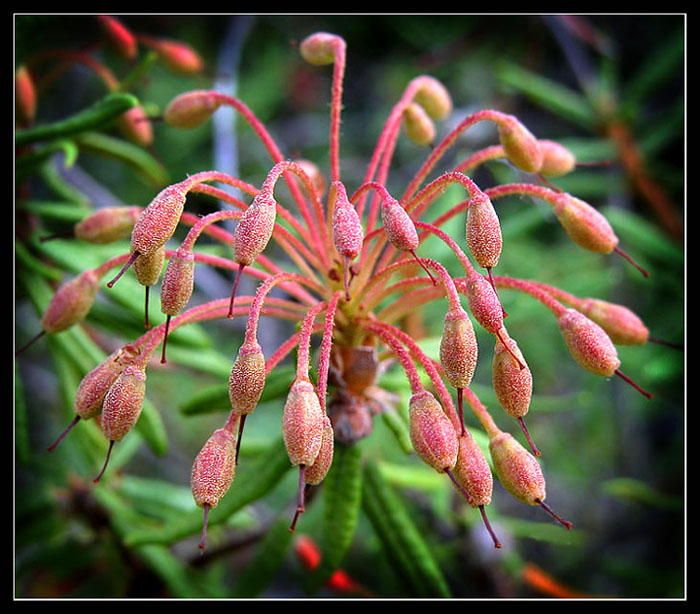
(352, 278)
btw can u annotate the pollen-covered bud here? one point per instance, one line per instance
(434, 98)
(149, 268)
(458, 349)
(178, 282)
(520, 473)
(517, 469)
(348, 234)
(302, 423)
(432, 434)
(135, 126)
(418, 125)
(178, 56)
(122, 406)
(316, 473)
(158, 221)
(585, 225)
(484, 303)
(319, 48)
(398, 225)
(119, 36)
(107, 225)
(519, 145)
(254, 229)
(213, 471)
(473, 472)
(483, 231)
(25, 96)
(247, 379)
(588, 343)
(556, 159)
(191, 109)
(71, 303)
(624, 327)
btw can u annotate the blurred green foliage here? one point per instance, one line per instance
(614, 461)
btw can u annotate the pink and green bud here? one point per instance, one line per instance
(418, 125)
(254, 229)
(588, 343)
(556, 159)
(624, 327)
(247, 379)
(191, 109)
(71, 303)
(458, 349)
(316, 473)
(107, 225)
(123, 402)
(319, 48)
(483, 231)
(149, 268)
(519, 145)
(434, 98)
(585, 225)
(136, 127)
(432, 434)
(302, 424)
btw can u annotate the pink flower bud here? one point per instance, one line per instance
(254, 229)
(135, 126)
(158, 221)
(622, 325)
(191, 109)
(473, 472)
(25, 96)
(585, 225)
(316, 473)
(107, 225)
(123, 402)
(418, 125)
(556, 159)
(119, 36)
(348, 234)
(512, 379)
(178, 282)
(483, 231)
(247, 379)
(178, 56)
(517, 469)
(434, 98)
(484, 303)
(71, 303)
(520, 146)
(302, 423)
(398, 225)
(319, 48)
(588, 343)
(433, 437)
(458, 349)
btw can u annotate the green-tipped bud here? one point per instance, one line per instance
(556, 159)
(247, 379)
(418, 125)
(319, 48)
(302, 423)
(624, 327)
(432, 434)
(71, 303)
(191, 109)
(585, 225)
(458, 349)
(588, 343)
(483, 231)
(519, 145)
(434, 98)
(107, 225)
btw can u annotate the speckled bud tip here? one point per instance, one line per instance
(398, 225)
(158, 221)
(517, 469)
(623, 326)
(348, 234)
(214, 469)
(434, 98)
(418, 125)
(247, 379)
(107, 225)
(191, 109)
(484, 303)
(556, 159)
(178, 282)
(473, 472)
(302, 423)
(71, 303)
(319, 48)
(458, 349)
(316, 473)
(519, 145)
(149, 268)
(432, 434)
(512, 382)
(483, 231)
(254, 229)
(588, 343)
(123, 402)
(585, 225)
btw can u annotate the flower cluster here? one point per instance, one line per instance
(353, 249)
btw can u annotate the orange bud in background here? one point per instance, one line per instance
(623, 326)
(418, 125)
(135, 126)
(178, 56)
(434, 98)
(71, 303)
(191, 109)
(107, 225)
(25, 96)
(119, 36)
(556, 159)
(519, 145)
(585, 225)
(319, 48)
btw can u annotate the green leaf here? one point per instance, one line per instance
(636, 491)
